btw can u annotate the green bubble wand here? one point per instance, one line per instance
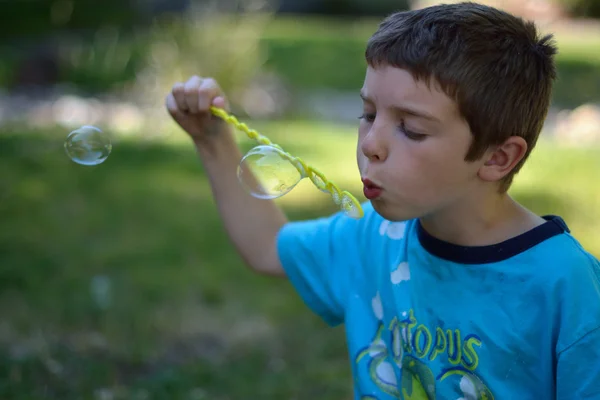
(278, 172)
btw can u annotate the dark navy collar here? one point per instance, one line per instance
(553, 226)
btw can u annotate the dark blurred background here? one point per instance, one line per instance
(117, 281)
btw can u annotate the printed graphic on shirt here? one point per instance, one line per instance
(398, 356)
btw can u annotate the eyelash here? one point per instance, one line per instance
(370, 118)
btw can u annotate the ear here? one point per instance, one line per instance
(502, 159)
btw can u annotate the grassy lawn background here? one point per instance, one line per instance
(186, 320)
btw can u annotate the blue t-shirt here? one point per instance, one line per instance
(426, 319)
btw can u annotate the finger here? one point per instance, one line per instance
(207, 93)
(191, 93)
(178, 93)
(172, 106)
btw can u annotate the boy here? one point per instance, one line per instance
(448, 288)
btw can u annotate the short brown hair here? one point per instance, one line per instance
(493, 64)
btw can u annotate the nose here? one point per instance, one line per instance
(373, 145)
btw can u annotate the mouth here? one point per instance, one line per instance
(371, 190)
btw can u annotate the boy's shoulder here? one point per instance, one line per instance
(570, 277)
(562, 254)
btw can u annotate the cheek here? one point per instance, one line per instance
(443, 170)
(425, 169)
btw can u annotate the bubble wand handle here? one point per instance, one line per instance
(342, 198)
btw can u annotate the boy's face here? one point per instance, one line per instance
(412, 143)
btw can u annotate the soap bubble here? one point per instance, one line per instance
(266, 173)
(88, 145)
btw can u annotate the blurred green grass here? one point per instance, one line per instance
(187, 320)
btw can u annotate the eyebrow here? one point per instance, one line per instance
(406, 110)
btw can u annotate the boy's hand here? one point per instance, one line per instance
(189, 102)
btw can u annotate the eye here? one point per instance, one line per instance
(411, 134)
(369, 117)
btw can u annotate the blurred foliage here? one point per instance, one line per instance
(108, 57)
(33, 19)
(225, 47)
(581, 8)
(337, 62)
(347, 8)
(305, 52)
(329, 44)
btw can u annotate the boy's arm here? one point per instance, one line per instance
(252, 224)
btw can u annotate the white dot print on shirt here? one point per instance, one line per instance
(377, 306)
(401, 273)
(393, 230)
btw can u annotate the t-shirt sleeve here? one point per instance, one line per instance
(320, 258)
(578, 355)
(578, 372)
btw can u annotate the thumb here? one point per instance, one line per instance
(220, 102)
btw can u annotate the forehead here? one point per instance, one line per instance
(389, 86)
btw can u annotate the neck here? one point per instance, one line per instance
(485, 220)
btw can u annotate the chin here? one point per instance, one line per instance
(391, 213)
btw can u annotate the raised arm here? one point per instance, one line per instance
(252, 224)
